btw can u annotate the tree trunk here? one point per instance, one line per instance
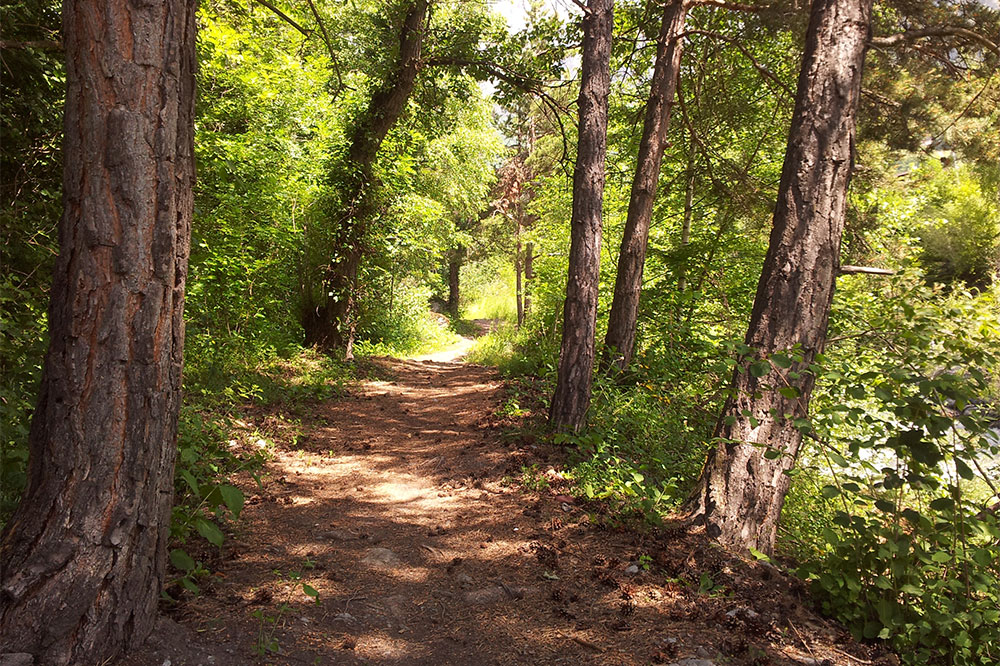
(454, 268)
(740, 493)
(619, 342)
(686, 225)
(529, 275)
(519, 284)
(329, 324)
(83, 556)
(576, 356)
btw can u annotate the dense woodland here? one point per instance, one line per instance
(744, 257)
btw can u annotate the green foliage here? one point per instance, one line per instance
(905, 430)
(31, 91)
(399, 323)
(960, 235)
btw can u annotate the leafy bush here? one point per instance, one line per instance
(912, 551)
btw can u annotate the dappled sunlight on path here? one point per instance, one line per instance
(397, 507)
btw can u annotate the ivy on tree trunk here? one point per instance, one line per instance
(330, 321)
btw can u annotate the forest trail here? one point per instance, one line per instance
(398, 507)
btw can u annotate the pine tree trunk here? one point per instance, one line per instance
(619, 343)
(576, 355)
(83, 556)
(740, 493)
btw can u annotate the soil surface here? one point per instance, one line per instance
(401, 507)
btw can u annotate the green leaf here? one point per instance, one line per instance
(192, 483)
(210, 531)
(830, 492)
(789, 392)
(885, 505)
(941, 556)
(783, 361)
(943, 504)
(964, 470)
(760, 368)
(310, 591)
(233, 497)
(922, 450)
(181, 560)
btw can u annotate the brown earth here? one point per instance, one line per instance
(400, 507)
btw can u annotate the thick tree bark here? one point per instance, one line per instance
(576, 355)
(82, 559)
(619, 342)
(740, 493)
(330, 323)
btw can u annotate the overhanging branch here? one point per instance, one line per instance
(285, 17)
(868, 270)
(937, 31)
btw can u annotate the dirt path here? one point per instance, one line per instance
(397, 508)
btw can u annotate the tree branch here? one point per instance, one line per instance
(757, 65)
(870, 270)
(285, 17)
(44, 44)
(937, 31)
(732, 6)
(329, 46)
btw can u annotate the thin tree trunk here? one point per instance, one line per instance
(619, 343)
(454, 270)
(519, 286)
(686, 226)
(83, 557)
(328, 324)
(576, 355)
(740, 493)
(529, 275)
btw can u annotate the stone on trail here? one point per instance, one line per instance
(693, 661)
(16, 659)
(381, 558)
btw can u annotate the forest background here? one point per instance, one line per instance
(892, 508)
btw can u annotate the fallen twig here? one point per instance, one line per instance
(851, 656)
(582, 641)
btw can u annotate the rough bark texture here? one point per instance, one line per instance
(329, 324)
(576, 355)
(740, 493)
(83, 557)
(619, 342)
(455, 258)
